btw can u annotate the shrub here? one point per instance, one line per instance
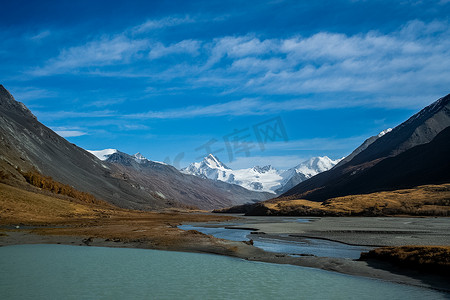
(47, 183)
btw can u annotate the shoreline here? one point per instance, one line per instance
(197, 242)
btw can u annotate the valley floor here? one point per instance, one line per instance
(65, 221)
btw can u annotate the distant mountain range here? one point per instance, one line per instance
(121, 179)
(262, 179)
(414, 153)
(166, 182)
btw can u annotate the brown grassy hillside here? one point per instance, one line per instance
(427, 200)
(27, 207)
(427, 258)
(60, 215)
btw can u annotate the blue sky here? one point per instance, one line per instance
(173, 79)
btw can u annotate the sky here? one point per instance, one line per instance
(253, 82)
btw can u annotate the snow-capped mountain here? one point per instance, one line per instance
(261, 179)
(168, 184)
(305, 170)
(106, 153)
(314, 166)
(138, 157)
(103, 154)
(211, 167)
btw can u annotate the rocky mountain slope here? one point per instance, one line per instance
(390, 161)
(265, 179)
(402, 171)
(167, 183)
(26, 144)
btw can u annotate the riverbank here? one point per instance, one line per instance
(160, 232)
(357, 231)
(48, 219)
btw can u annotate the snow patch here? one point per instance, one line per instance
(102, 154)
(384, 132)
(139, 158)
(161, 195)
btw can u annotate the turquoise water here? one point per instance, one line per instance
(72, 272)
(221, 232)
(315, 247)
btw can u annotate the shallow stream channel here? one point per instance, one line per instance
(287, 244)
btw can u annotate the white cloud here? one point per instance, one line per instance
(255, 65)
(41, 35)
(186, 46)
(236, 47)
(245, 106)
(57, 115)
(31, 93)
(235, 108)
(105, 102)
(102, 52)
(161, 23)
(134, 127)
(66, 131)
(70, 133)
(413, 61)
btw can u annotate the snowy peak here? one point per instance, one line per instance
(210, 167)
(213, 162)
(107, 153)
(305, 170)
(139, 158)
(316, 165)
(103, 154)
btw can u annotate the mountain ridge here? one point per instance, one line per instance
(419, 129)
(257, 178)
(26, 144)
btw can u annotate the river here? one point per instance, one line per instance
(74, 272)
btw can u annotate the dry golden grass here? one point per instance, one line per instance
(47, 183)
(427, 200)
(430, 258)
(67, 216)
(20, 206)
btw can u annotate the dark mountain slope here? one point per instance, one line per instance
(424, 164)
(27, 144)
(417, 130)
(421, 128)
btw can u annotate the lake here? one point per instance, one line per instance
(74, 272)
